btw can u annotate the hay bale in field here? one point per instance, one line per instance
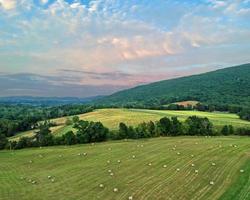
(108, 161)
(130, 198)
(133, 156)
(178, 153)
(109, 171)
(115, 190)
(241, 171)
(149, 164)
(33, 182)
(85, 154)
(49, 177)
(211, 183)
(192, 155)
(177, 169)
(164, 166)
(111, 174)
(118, 161)
(213, 164)
(192, 164)
(196, 171)
(101, 185)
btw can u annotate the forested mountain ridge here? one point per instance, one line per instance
(228, 86)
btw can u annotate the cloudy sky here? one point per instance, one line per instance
(95, 47)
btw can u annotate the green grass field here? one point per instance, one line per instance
(112, 117)
(79, 177)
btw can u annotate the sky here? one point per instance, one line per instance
(96, 47)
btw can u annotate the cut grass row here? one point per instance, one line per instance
(79, 177)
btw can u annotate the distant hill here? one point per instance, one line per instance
(46, 101)
(229, 86)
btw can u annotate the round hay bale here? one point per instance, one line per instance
(211, 183)
(115, 190)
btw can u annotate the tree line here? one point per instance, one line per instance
(18, 118)
(91, 132)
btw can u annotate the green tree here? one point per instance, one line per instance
(69, 138)
(164, 126)
(199, 126)
(3, 141)
(176, 127)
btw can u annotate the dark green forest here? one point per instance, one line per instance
(16, 118)
(225, 89)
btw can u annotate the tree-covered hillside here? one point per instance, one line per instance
(229, 86)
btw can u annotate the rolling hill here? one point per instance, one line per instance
(229, 86)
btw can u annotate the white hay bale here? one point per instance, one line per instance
(118, 161)
(85, 154)
(49, 177)
(133, 156)
(30, 161)
(33, 182)
(173, 148)
(241, 171)
(142, 145)
(130, 198)
(196, 171)
(115, 189)
(192, 155)
(213, 164)
(149, 164)
(110, 149)
(177, 169)
(211, 183)
(164, 166)
(52, 180)
(192, 164)
(111, 174)
(101, 185)
(178, 153)
(108, 161)
(109, 170)
(79, 154)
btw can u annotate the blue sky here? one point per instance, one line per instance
(108, 45)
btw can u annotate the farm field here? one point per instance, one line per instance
(112, 117)
(160, 168)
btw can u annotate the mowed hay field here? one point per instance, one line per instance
(112, 117)
(156, 169)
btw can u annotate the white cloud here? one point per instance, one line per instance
(109, 35)
(8, 4)
(44, 1)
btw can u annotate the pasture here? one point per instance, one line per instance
(161, 168)
(112, 117)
